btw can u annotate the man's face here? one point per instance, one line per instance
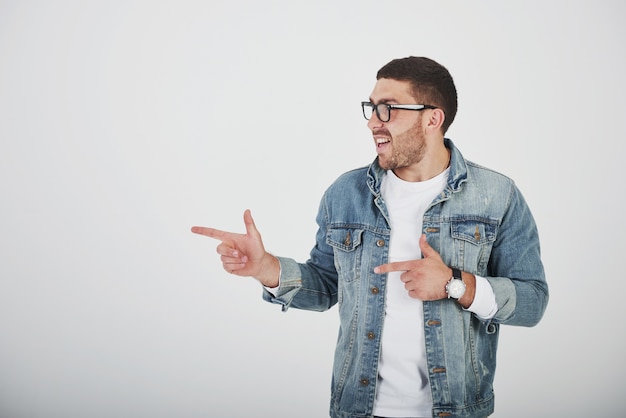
(400, 142)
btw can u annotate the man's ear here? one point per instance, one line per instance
(435, 121)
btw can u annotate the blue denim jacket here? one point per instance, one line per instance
(480, 223)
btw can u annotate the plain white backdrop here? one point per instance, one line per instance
(124, 123)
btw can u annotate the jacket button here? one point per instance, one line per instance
(380, 243)
(364, 382)
(370, 335)
(375, 290)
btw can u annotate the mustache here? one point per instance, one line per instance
(381, 131)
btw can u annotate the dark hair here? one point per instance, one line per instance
(432, 83)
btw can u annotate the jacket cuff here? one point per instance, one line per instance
(504, 289)
(290, 282)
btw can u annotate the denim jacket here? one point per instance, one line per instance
(480, 224)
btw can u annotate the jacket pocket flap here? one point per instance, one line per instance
(346, 239)
(476, 231)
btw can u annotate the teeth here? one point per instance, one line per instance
(382, 141)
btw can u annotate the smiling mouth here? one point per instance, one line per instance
(382, 141)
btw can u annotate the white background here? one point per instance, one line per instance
(124, 123)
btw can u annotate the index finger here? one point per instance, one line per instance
(209, 232)
(395, 266)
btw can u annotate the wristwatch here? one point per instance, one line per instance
(455, 288)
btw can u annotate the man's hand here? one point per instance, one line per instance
(244, 254)
(424, 279)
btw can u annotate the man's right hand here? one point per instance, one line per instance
(244, 254)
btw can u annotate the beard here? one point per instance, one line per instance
(407, 148)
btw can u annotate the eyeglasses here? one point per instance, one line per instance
(383, 110)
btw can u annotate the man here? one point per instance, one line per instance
(425, 253)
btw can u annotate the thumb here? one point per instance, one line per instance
(427, 250)
(250, 226)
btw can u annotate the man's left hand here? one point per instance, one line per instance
(424, 279)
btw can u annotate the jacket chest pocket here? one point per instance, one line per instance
(348, 248)
(473, 240)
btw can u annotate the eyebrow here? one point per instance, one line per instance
(384, 101)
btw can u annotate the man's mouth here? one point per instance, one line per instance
(382, 141)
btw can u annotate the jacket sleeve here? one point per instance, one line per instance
(311, 285)
(516, 272)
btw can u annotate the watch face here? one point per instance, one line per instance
(456, 288)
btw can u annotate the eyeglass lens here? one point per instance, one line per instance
(382, 111)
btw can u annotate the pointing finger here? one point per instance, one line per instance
(389, 267)
(209, 232)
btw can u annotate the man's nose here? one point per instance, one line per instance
(374, 122)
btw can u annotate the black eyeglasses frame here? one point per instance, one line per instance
(390, 107)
